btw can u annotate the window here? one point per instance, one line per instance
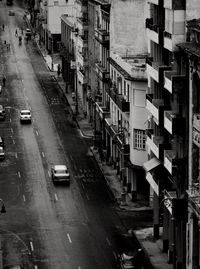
(139, 139)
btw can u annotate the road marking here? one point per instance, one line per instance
(11, 130)
(16, 155)
(49, 173)
(24, 198)
(36, 133)
(82, 185)
(115, 255)
(31, 244)
(56, 197)
(107, 240)
(43, 155)
(35, 267)
(10, 120)
(70, 241)
(13, 141)
(19, 174)
(79, 267)
(87, 197)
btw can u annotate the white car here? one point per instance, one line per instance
(60, 173)
(25, 115)
(2, 153)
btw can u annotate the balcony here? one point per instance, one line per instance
(119, 100)
(82, 24)
(82, 41)
(156, 144)
(102, 36)
(81, 76)
(155, 2)
(194, 197)
(117, 138)
(174, 81)
(102, 73)
(81, 59)
(102, 111)
(171, 161)
(154, 31)
(155, 69)
(174, 123)
(155, 107)
(171, 40)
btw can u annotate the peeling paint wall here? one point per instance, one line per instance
(127, 27)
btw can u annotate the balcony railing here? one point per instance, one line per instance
(102, 72)
(102, 36)
(170, 160)
(172, 80)
(167, 34)
(119, 99)
(174, 123)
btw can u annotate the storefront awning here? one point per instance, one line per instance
(151, 164)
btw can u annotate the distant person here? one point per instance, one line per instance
(4, 81)
(16, 33)
(22, 32)
(59, 70)
(3, 26)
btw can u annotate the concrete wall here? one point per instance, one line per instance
(127, 26)
(192, 9)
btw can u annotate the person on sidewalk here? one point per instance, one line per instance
(4, 81)
(16, 33)
(59, 70)
(3, 26)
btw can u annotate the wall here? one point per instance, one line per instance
(127, 27)
(192, 9)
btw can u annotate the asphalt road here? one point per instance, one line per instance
(48, 226)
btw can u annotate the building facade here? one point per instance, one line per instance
(167, 133)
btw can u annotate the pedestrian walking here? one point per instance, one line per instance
(4, 81)
(22, 31)
(59, 70)
(8, 46)
(4, 42)
(3, 27)
(16, 33)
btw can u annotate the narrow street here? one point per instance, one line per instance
(48, 226)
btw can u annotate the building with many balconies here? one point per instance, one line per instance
(167, 102)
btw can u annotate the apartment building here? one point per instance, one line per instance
(190, 53)
(167, 102)
(50, 23)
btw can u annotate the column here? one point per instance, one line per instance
(156, 207)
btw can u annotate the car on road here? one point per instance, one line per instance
(1, 142)
(2, 113)
(28, 32)
(60, 174)
(2, 153)
(11, 13)
(25, 116)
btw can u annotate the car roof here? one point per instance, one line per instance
(25, 110)
(60, 167)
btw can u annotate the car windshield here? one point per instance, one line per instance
(60, 171)
(25, 113)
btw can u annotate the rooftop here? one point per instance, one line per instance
(131, 67)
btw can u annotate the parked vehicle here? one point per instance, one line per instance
(60, 173)
(2, 154)
(11, 13)
(134, 261)
(2, 113)
(1, 142)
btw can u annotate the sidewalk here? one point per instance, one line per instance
(144, 234)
